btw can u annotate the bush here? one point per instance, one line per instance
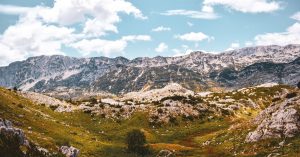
(136, 141)
(94, 101)
(54, 107)
(291, 95)
(160, 110)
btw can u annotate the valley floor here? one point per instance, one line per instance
(96, 136)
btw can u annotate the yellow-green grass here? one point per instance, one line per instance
(96, 136)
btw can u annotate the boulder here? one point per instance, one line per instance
(165, 153)
(69, 151)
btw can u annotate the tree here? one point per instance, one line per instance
(136, 141)
(298, 85)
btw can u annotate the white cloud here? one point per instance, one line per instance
(27, 39)
(136, 37)
(183, 50)
(207, 9)
(45, 30)
(98, 16)
(246, 6)
(190, 24)
(191, 14)
(248, 43)
(290, 36)
(235, 45)
(107, 47)
(160, 29)
(296, 16)
(13, 10)
(193, 36)
(162, 47)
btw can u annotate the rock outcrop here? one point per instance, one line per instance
(69, 151)
(12, 139)
(10, 133)
(280, 120)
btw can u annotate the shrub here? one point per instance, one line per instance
(291, 95)
(275, 99)
(136, 141)
(94, 101)
(53, 107)
(160, 110)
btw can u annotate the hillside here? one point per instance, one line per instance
(190, 125)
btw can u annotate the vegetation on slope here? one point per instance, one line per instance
(97, 136)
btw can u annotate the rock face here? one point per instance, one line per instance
(9, 132)
(280, 120)
(69, 151)
(12, 139)
(195, 71)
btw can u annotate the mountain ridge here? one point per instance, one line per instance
(194, 71)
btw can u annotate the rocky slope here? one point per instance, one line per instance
(196, 71)
(280, 120)
(185, 122)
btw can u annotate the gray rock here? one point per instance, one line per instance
(165, 153)
(8, 131)
(69, 151)
(233, 69)
(277, 121)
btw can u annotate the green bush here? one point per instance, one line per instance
(136, 141)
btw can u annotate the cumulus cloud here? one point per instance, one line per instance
(45, 30)
(13, 10)
(98, 16)
(296, 16)
(161, 29)
(290, 36)
(191, 14)
(162, 47)
(106, 47)
(246, 6)
(194, 36)
(27, 39)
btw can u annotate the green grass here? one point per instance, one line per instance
(96, 136)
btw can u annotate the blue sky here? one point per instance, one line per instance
(140, 28)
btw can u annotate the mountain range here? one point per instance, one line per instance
(196, 71)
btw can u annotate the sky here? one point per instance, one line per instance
(142, 28)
